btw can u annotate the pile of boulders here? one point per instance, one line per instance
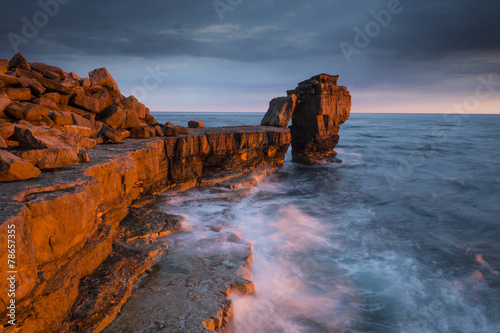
(49, 118)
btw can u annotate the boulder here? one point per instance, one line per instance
(50, 158)
(170, 130)
(64, 99)
(18, 61)
(181, 130)
(142, 132)
(52, 72)
(85, 102)
(3, 144)
(53, 96)
(81, 130)
(36, 88)
(82, 121)
(116, 136)
(4, 102)
(103, 97)
(62, 118)
(17, 94)
(195, 124)
(72, 109)
(6, 130)
(14, 168)
(45, 103)
(27, 111)
(87, 143)
(280, 111)
(9, 80)
(31, 137)
(83, 156)
(4, 66)
(54, 85)
(102, 77)
(322, 106)
(113, 116)
(132, 120)
(74, 76)
(85, 82)
(132, 103)
(150, 120)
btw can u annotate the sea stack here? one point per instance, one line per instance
(317, 107)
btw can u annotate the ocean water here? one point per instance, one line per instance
(403, 236)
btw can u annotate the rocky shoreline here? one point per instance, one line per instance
(82, 195)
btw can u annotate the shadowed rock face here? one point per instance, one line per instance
(322, 107)
(317, 107)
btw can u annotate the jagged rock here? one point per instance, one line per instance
(116, 136)
(113, 116)
(9, 80)
(45, 103)
(27, 111)
(31, 137)
(64, 99)
(47, 121)
(81, 130)
(150, 120)
(142, 132)
(72, 109)
(50, 158)
(4, 66)
(17, 94)
(14, 168)
(182, 130)
(3, 144)
(82, 121)
(74, 76)
(102, 77)
(87, 143)
(55, 85)
(52, 72)
(6, 130)
(85, 82)
(36, 88)
(280, 111)
(83, 156)
(170, 130)
(195, 124)
(53, 96)
(322, 107)
(4, 102)
(104, 97)
(12, 143)
(132, 103)
(62, 118)
(132, 119)
(18, 61)
(85, 102)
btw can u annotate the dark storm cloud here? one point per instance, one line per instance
(425, 41)
(289, 29)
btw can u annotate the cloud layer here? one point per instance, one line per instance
(237, 54)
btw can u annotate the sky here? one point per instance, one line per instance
(430, 56)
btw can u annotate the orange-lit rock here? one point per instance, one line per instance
(13, 168)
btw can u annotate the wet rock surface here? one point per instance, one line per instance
(67, 221)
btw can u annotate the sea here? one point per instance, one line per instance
(403, 236)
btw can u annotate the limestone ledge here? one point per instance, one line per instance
(66, 220)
